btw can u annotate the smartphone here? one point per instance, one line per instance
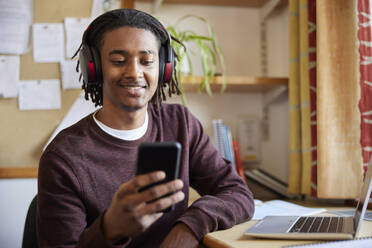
(159, 156)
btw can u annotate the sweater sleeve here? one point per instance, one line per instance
(61, 214)
(225, 198)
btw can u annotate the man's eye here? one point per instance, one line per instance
(118, 62)
(147, 62)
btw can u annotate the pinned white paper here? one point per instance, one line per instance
(9, 76)
(15, 19)
(39, 94)
(48, 42)
(78, 110)
(74, 28)
(70, 77)
(101, 6)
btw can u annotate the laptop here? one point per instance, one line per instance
(315, 227)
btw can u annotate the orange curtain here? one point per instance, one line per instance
(338, 94)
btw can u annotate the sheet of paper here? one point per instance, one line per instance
(9, 76)
(70, 77)
(282, 208)
(48, 41)
(78, 110)
(101, 6)
(365, 242)
(16, 20)
(74, 28)
(39, 94)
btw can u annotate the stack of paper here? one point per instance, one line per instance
(282, 208)
(365, 242)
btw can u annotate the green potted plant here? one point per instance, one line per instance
(210, 53)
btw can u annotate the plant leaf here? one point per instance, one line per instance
(205, 66)
(209, 51)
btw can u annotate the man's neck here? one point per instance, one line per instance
(121, 119)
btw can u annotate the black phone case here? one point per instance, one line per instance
(159, 156)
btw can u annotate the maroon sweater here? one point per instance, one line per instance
(83, 166)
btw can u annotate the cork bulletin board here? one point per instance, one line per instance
(24, 133)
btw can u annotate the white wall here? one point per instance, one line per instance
(278, 43)
(275, 151)
(16, 196)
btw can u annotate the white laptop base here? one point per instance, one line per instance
(278, 227)
(285, 227)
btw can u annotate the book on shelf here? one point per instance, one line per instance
(218, 137)
(224, 141)
(239, 164)
(269, 181)
(228, 145)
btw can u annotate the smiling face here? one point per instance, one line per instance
(130, 67)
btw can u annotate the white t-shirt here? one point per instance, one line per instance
(132, 134)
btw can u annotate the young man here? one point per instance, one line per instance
(88, 192)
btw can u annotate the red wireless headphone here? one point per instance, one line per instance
(91, 69)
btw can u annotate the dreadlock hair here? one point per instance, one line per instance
(93, 37)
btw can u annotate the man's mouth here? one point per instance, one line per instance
(133, 87)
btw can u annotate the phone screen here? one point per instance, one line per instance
(159, 156)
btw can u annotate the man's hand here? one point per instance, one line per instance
(129, 213)
(180, 236)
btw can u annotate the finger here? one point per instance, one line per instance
(140, 181)
(161, 204)
(147, 220)
(161, 190)
(131, 201)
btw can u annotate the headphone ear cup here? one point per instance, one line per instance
(169, 67)
(97, 65)
(162, 65)
(166, 63)
(90, 65)
(84, 58)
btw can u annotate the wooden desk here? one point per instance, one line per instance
(234, 238)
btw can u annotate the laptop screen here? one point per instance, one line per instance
(364, 198)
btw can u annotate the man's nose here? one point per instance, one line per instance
(133, 69)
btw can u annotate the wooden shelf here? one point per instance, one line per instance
(233, 3)
(25, 172)
(237, 84)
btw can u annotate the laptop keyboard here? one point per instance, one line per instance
(318, 225)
